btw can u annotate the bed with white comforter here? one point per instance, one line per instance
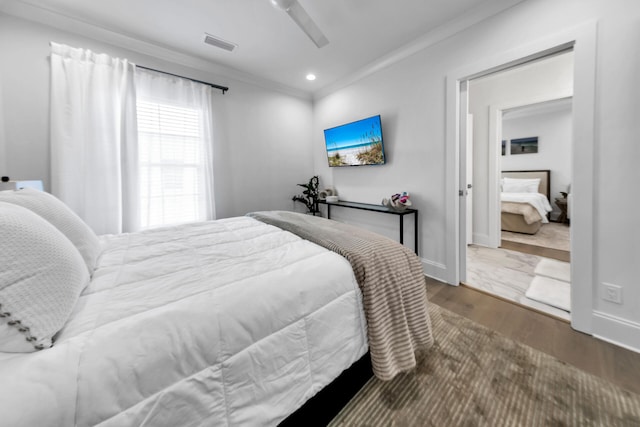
(524, 200)
(229, 322)
(537, 201)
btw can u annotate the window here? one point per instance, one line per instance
(174, 150)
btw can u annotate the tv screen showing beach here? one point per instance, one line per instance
(355, 144)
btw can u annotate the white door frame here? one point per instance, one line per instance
(469, 177)
(495, 157)
(464, 214)
(583, 40)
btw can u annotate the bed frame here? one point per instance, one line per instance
(325, 406)
(516, 223)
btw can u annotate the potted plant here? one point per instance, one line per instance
(309, 196)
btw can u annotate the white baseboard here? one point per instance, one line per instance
(434, 270)
(481, 239)
(618, 331)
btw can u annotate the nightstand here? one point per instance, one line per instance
(562, 204)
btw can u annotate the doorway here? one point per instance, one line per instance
(527, 260)
(583, 41)
(549, 124)
(521, 133)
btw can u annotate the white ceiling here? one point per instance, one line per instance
(271, 46)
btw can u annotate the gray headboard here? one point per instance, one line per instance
(544, 175)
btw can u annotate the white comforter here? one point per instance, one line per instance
(537, 200)
(230, 322)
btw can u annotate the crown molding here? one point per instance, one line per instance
(51, 18)
(35, 13)
(449, 29)
(563, 103)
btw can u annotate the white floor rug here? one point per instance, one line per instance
(550, 291)
(554, 269)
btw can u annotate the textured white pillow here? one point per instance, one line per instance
(510, 187)
(518, 185)
(41, 278)
(63, 218)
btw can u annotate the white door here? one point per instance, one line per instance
(469, 183)
(465, 212)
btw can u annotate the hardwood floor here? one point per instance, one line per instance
(544, 333)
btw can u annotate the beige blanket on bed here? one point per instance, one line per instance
(392, 283)
(529, 213)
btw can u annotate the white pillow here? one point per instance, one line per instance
(63, 218)
(509, 187)
(517, 185)
(41, 279)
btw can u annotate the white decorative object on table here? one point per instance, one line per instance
(332, 199)
(327, 192)
(398, 202)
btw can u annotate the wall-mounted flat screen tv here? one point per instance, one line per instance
(355, 144)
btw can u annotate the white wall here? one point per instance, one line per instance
(406, 96)
(548, 78)
(553, 127)
(410, 96)
(262, 145)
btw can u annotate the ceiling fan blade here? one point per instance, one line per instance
(304, 21)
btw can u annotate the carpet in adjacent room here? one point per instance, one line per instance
(552, 235)
(474, 376)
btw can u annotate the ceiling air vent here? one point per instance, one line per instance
(218, 42)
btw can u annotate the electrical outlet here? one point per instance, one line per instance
(612, 293)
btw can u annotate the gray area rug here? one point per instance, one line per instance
(474, 376)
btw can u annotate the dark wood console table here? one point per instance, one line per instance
(381, 209)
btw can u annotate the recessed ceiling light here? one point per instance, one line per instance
(311, 77)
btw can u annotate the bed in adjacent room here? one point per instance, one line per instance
(524, 200)
(226, 322)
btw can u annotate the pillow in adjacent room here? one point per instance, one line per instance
(41, 279)
(63, 218)
(517, 185)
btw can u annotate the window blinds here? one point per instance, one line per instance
(171, 164)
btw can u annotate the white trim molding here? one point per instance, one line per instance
(434, 270)
(461, 23)
(583, 39)
(616, 330)
(52, 18)
(3, 143)
(481, 239)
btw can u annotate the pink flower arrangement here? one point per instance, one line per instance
(398, 201)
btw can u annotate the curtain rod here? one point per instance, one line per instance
(222, 88)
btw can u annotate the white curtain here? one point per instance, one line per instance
(175, 149)
(94, 161)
